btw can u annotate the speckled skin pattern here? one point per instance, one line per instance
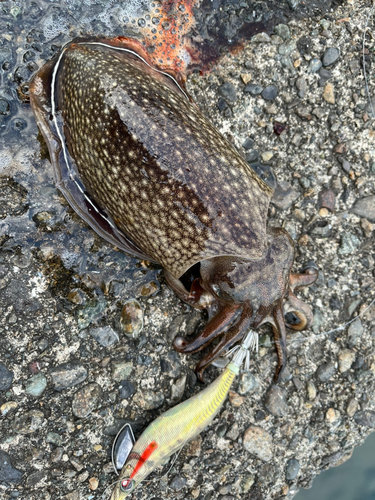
(138, 160)
(120, 118)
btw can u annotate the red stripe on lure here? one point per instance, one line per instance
(144, 457)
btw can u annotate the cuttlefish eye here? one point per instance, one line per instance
(127, 485)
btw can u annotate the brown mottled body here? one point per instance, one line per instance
(137, 159)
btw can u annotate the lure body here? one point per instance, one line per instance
(169, 432)
(139, 162)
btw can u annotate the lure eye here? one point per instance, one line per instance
(127, 485)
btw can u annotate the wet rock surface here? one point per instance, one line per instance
(62, 288)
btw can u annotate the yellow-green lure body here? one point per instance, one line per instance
(174, 428)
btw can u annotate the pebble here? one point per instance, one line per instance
(131, 320)
(57, 454)
(29, 422)
(326, 199)
(68, 375)
(326, 371)
(126, 389)
(253, 89)
(233, 432)
(248, 143)
(171, 364)
(365, 418)
(7, 407)
(178, 388)
(315, 65)
(258, 442)
(332, 416)
(261, 38)
(54, 438)
(328, 94)
(345, 165)
(364, 207)
(246, 78)
(325, 75)
(37, 479)
(149, 400)
(36, 385)
(6, 378)
(266, 156)
(86, 400)
(352, 407)
(311, 390)
(228, 91)
(349, 244)
(330, 56)
(302, 86)
(319, 112)
(275, 402)
(105, 336)
(93, 483)
(177, 483)
(283, 31)
(248, 383)
(269, 93)
(194, 447)
(286, 48)
(235, 399)
(77, 296)
(355, 332)
(8, 473)
(284, 195)
(121, 370)
(346, 359)
(292, 469)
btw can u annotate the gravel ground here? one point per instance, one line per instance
(86, 332)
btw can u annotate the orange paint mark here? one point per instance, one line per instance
(144, 457)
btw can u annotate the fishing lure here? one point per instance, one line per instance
(171, 430)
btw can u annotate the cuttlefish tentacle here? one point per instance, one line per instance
(232, 336)
(297, 280)
(278, 327)
(217, 325)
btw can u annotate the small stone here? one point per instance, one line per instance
(269, 93)
(77, 296)
(105, 336)
(121, 370)
(367, 227)
(349, 244)
(178, 389)
(328, 94)
(246, 78)
(326, 199)
(228, 91)
(233, 432)
(68, 375)
(248, 383)
(57, 454)
(149, 400)
(235, 399)
(258, 442)
(319, 112)
(7, 407)
(36, 385)
(271, 109)
(275, 402)
(194, 447)
(248, 143)
(131, 321)
(284, 195)
(304, 113)
(253, 89)
(346, 359)
(247, 483)
(29, 422)
(266, 156)
(302, 87)
(8, 473)
(292, 469)
(355, 332)
(315, 65)
(332, 415)
(326, 371)
(283, 31)
(365, 207)
(340, 148)
(171, 364)
(330, 56)
(93, 483)
(83, 476)
(177, 483)
(6, 378)
(37, 479)
(345, 164)
(311, 390)
(126, 389)
(286, 48)
(86, 400)
(365, 418)
(54, 438)
(261, 38)
(352, 407)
